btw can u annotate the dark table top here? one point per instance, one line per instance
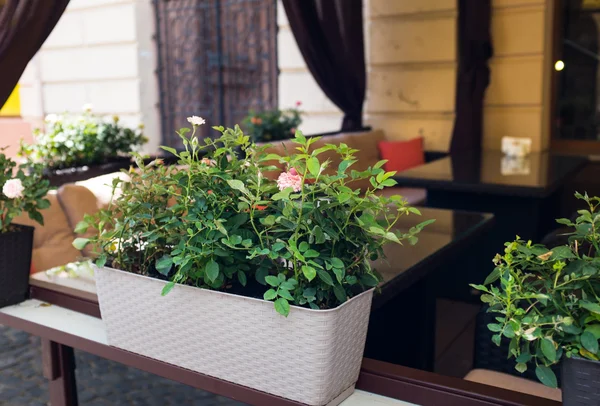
(451, 233)
(538, 175)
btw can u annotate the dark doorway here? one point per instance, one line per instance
(216, 59)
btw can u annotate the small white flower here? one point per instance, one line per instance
(195, 120)
(87, 107)
(52, 118)
(13, 189)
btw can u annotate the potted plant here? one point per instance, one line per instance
(548, 305)
(233, 253)
(19, 192)
(76, 147)
(273, 125)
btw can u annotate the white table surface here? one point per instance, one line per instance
(92, 328)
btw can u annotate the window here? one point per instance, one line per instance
(216, 59)
(577, 97)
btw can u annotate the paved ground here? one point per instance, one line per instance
(100, 382)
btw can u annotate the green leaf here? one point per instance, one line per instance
(101, 261)
(309, 292)
(284, 194)
(492, 277)
(339, 274)
(508, 331)
(414, 210)
(521, 367)
(311, 254)
(81, 227)
(211, 270)
(589, 342)
(242, 278)
(282, 306)
(309, 272)
(337, 263)
(290, 284)
(369, 280)
(163, 264)
(546, 376)
(169, 149)
(167, 288)
(303, 246)
(389, 183)
(594, 329)
(238, 185)
(592, 307)
(496, 328)
(270, 294)
(319, 235)
(524, 358)
(313, 166)
(496, 339)
(285, 294)
(261, 273)
(344, 197)
(325, 277)
(392, 237)
(562, 252)
(80, 243)
(548, 349)
(272, 280)
(340, 293)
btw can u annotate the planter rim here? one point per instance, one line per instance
(216, 292)
(21, 227)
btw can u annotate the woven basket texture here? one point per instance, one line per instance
(311, 356)
(581, 382)
(15, 263)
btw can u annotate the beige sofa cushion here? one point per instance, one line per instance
(52, 242)
(101, 186)
(513, 383)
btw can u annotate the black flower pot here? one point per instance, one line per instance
(15, 263)
(581, 382)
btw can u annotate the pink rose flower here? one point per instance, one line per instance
(291, 179)
(13, 189)
(298, 103)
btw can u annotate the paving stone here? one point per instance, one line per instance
(100, 382)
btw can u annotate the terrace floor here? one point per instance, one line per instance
(99, 382)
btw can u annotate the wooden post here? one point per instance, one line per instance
(59, 368)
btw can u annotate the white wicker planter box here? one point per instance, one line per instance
(312, 356)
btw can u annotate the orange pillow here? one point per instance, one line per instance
(402, 155)
(32, 269)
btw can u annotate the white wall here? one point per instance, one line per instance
(101, 52)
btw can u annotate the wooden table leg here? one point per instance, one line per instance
(59, 369)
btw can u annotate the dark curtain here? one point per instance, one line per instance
(475, 49)
(24, 26)
(329, 34)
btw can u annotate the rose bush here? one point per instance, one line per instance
(218, 223)
(23, 189)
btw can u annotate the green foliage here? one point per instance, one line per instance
(547, 299)
(272, 125)
(219, 224)
(87, 139)
(33, 197)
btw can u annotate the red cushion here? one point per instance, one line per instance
(402, 155)
(32, 269)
